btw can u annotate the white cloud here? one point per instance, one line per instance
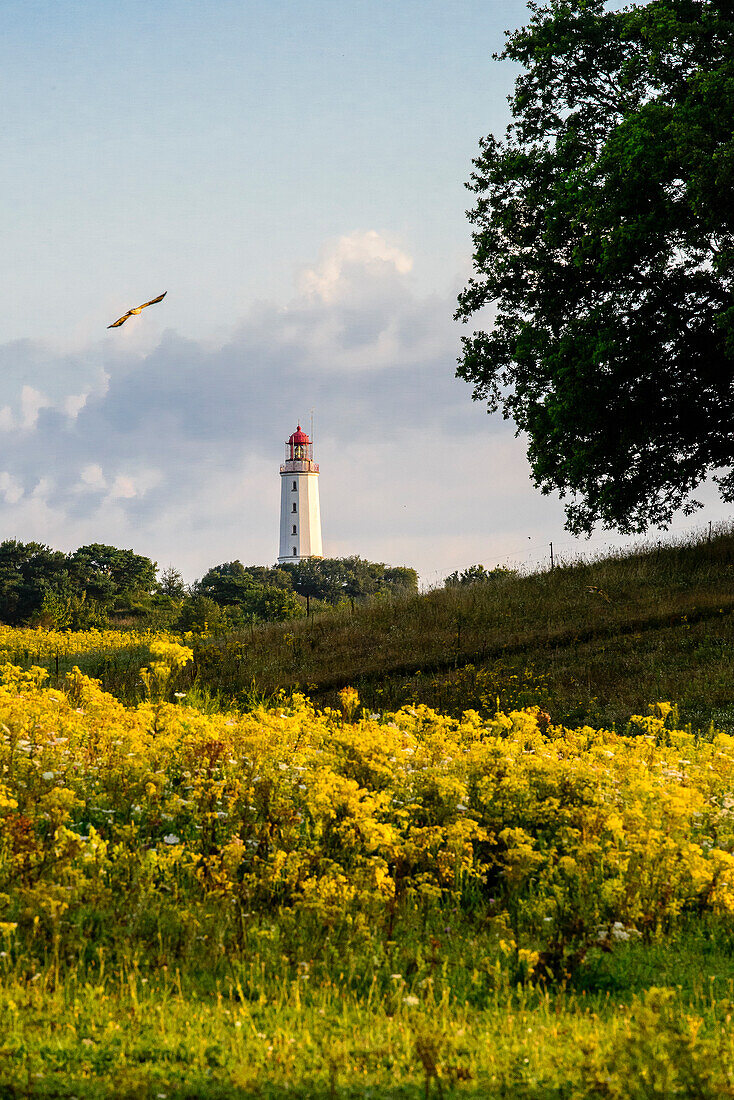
(42, 489)
(123, 488)
(368, 252)
(74, 403)
(128, 486)
(92, 477)
(356, 311)
(10, 489)
(31, 403)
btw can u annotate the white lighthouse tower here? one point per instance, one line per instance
(300, 515)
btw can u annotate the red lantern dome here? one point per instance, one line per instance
(299, 448)
(299, 436)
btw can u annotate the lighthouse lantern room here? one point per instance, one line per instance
(300, 515)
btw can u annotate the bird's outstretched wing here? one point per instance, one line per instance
(131, 312)
(153, 301)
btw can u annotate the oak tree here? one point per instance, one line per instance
(604, 244)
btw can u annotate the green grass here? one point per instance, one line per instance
(268, 1027)
(588, 642)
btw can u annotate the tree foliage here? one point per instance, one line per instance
(604, 241)
(227, 584)
(172, 584)
(97, 584)
(28, 573)
(248, 594)
(477, 574)
(79, 590)
(104, 572)
(335, 579)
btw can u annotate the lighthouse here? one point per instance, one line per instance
(300, 515)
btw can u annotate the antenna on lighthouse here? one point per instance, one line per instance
(312, 428)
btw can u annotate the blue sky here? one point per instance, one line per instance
(213, 147)
(292, 174)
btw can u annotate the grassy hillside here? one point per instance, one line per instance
(588, 641)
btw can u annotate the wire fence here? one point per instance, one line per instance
(539, 555)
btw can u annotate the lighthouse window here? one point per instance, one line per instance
(295, 552)
(294, 509)
(295, 488)
(293, 532)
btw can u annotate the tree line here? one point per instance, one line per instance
(100, 585)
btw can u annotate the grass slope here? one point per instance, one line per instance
(587, 642)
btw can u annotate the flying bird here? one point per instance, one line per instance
(138, 309)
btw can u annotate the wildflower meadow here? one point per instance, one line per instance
(337, 902)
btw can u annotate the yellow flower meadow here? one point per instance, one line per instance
(19, 644)
(558, 839)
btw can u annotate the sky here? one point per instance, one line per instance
(292, 174)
